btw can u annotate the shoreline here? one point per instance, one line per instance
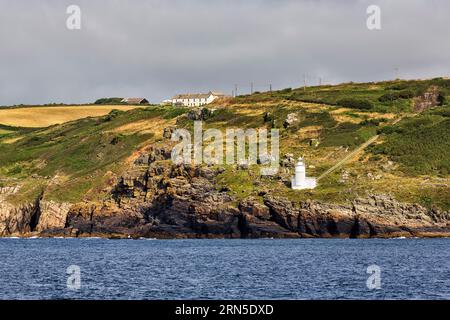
(99, 237)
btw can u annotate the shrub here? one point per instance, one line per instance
(392, 96)
(442, 100)
(112, 114)
(421, 146)
(268, 117)
(287, 90)
(372, 122)
(116, 139)
(407, 94)
(387, 97)
(109, 101)
(355, 103)
(443, 113)
(386, 130)
(17, 169)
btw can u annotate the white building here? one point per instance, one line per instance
(196, 99)
(300, 180)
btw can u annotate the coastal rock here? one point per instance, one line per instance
(165, 200)
(52, 215)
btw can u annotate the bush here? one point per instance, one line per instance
(392, 96)
(443, 113)
(442, 100)
(355, 103)
(108, 101)
(372, 122)
(387, 130)
(407, 94)
(268, 117)
(287, 90)
(388, 97)
(420, 145)
(398, 86)
(112, 114)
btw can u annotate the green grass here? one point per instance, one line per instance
(389, 96)
(420, 144)
(83, 150)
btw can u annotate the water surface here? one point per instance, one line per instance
(225, 269)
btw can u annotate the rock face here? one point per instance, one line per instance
(52, 215)
(375, 216)
(427, 100)
(15, 219)
(31, 217)
(199, 114)
(291, 119)
(159, 199)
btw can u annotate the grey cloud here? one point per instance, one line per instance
(158, 48)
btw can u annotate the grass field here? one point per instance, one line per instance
(35, 117)
(3, 131)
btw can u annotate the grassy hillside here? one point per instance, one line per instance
(73, 159)
(410, 159)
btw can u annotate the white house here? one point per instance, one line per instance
(196, 99)
(300, 180)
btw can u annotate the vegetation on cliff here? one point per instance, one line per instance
(78, 160)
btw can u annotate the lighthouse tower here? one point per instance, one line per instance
(300, 180)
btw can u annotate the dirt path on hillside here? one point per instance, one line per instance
(356, 151)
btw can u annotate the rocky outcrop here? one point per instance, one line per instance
(52, 215)
(198, 114)
(156, 198)
(427, 100)
(31, 217)
(15, 219)
(374, 216)
(291, 119)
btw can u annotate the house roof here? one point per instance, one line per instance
(191, 96)
(134, 100)
(197, 95)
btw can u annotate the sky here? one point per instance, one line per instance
(158, 48)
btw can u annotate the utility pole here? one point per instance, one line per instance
(304, 81)
(320, 81)
(251, 88)
(235, 90)
(270, 87)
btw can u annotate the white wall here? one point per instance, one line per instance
(195, 102)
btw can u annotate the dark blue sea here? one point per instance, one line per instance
(224, 269)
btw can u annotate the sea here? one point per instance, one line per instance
(241, 269)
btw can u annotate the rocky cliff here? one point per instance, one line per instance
(156, 198)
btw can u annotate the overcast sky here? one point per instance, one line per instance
(157, 48)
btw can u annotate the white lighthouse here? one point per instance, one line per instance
(300, 180)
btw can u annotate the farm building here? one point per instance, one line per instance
(196, 99)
